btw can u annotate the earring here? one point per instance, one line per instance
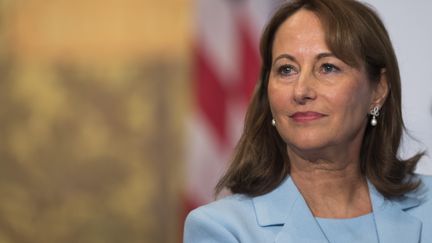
(375, 113)
(273, 122)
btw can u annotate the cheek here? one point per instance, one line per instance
(278, 98)
(353, 100)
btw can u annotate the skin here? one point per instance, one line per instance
(321, 105)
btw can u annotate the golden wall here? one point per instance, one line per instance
(93, 94)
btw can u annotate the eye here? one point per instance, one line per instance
(329, 68)
(287, 70)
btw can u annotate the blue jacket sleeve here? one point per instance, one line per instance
(202, 228)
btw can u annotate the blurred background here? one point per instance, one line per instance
(117, 117)
(93, 95)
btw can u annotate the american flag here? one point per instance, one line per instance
(225, 70)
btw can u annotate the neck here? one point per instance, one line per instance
(332, 189)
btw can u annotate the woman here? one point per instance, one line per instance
(317, 161)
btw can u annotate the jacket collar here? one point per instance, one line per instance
(392, 221)
(272, 208)
(285, 205)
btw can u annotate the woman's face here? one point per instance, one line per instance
(318, 101)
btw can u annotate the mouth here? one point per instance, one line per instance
(307, 116)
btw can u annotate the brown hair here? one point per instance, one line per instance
(356, 35)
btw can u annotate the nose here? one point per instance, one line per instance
(304, 89)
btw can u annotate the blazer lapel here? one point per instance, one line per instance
(392, 222)
(286, 207)
(301, 226)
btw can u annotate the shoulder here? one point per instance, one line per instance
(423, 196)
(424, 192)
(219, 221)
(423, 211)
(231, 219)
(426, 180)
(241, 218)
(230, 208)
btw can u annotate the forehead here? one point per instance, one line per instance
(302, 30)
(302, 19)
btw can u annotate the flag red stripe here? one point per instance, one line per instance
(220, 97)
(249, 59)
(211, 95)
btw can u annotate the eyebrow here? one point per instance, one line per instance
(325, 54)
(287, 56)
(292, 58)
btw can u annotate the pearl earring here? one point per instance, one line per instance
(273, 122)
(375, 113)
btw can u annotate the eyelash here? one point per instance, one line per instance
(328, 65)
(282, 70)
(288, 70)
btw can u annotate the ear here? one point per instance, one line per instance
(381, 90)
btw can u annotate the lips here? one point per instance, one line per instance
(307, 116)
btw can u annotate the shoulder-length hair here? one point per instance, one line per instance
(356, 35)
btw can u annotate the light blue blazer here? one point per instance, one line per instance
(282, 215)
